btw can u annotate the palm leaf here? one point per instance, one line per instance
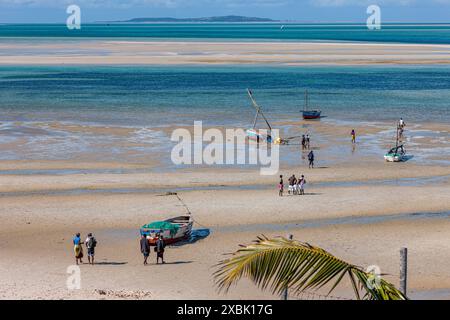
(278, 263)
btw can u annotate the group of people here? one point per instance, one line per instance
(159, 248)
(296, 186)
(90, 244)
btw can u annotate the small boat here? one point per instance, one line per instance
(253, 133)
(395, 154)
(310, 114)
(173, 230)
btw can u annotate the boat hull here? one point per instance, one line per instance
(254, 135)
(184, 224)
(393, 158)
(311, 115)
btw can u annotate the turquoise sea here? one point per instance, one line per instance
(401, 33)
(168, 95)
(38, 104)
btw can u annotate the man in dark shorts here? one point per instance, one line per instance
(90, 243)
(160, 245)
(145, 248)
(311, 159)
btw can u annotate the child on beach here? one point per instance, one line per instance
(307, 141)
(353, 136)
(281, 186)
(303, 142)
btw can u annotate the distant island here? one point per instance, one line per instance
(204, 19)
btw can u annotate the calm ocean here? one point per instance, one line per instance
(142, 96)
(401, 33)
(34, 98)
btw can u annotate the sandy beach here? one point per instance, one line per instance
(361, 209)
(60, 174)
(120, 52)
(365, 224)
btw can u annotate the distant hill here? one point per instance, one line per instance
(205, 19)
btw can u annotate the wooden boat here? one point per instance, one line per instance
(310, 114)
(395, 154)
(173, 230)
(253, 133)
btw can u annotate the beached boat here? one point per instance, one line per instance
(395, 154)
(310, 114)
(253, 133)
(173, 230)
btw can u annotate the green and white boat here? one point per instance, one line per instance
(396, 154)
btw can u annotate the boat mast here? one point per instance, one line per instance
(306, 100)
(258, 111)
(396, 140)
(183, 204)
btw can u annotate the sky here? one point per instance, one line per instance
(54, 11)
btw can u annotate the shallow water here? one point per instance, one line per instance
(331, 222)
(402, 33)
(128, 113)
(413, 182)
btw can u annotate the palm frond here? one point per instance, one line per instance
(279, 263)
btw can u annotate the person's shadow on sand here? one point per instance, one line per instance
(110, 263)
(174, 262)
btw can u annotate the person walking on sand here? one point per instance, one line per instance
(90, 243)
(160, 245)
(353, 136)
(302, 185)
(297, 187)
(281, 186)
(77, 248)
(303, 142)
(145, 248)
(307, 141)
(291, 184)
(311, 159)
(294, 187)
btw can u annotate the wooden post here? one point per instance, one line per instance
(284, 295)
(403, 270)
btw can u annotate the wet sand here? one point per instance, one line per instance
(346, 221)
(110, 52)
